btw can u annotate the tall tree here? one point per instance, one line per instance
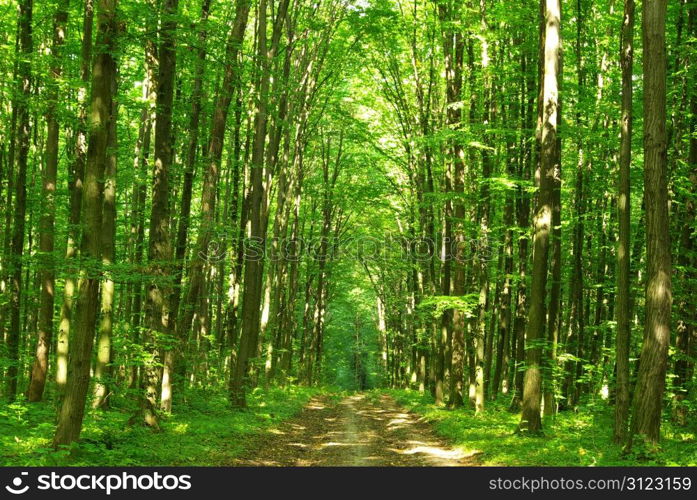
(653, 360)
(47, 225)
(158, 312)
(453, 52)
(484, 216)
(102, 367)
(75, 187)
(22, 136)
(213, 159)
(103, 74)
(254, 263)
(549, 163)
(185, 207)
(686, 338)
(622, 340)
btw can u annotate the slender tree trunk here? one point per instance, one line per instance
(287, 324)
(102, 368)
(75, 188)
(140, 166)
(254, 265)
(523, 222)
(185, 208)
(648, 394)
(553, 312)
(104, 73)
(47, 225)
(505, 300)
(484, 229)
(624, 313)
(549, 163)
(158, 309)
(7, 231)
(22, 137)
(240, 215)
(452, 323)
(686, 340)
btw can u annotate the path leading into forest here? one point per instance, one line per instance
(356, 431)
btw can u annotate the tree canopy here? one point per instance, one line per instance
(487, 203)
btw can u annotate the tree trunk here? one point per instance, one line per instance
(553, 313)
(185, 208)
(549, 164)
(21, 104)
(103, 75)
(648, 395)
(523, 222)
(47, 225)
(102, 368)
(140, 166)
(75, 187)
(254, 264)
(622, 341)
(158, 309)
(483, 245)
(686, 339)
(502, 349)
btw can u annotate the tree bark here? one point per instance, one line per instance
(686, 339)
(623, 337)
(103, 73)
(102, 367)
(648, 395)
(47, 224)
(75, 187)
(254, 264)
(22, 137)
(185, 208)
(549, 162)
(158, 308)
(482, 265)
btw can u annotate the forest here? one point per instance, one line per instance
(232, 229)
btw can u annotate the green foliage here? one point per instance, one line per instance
(377, 84)
(204, 431)
(581, 438)
(436, 305)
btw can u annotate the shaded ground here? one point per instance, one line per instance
(356, 431)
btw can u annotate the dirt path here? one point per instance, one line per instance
(353, 432)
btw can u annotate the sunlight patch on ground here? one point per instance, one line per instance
(397, 422)
(336, 443)
(299, 445)
(434, 452)
(316, 406)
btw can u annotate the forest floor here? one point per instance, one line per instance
(300, 426)
(365, 429)
(202, 431)
(571, 438)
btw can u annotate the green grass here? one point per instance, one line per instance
(203, 431)
(571, 439)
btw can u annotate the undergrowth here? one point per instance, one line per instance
(582, 438)
(203, 430)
